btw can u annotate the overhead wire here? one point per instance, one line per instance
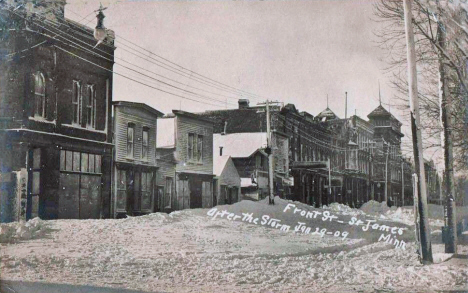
(134, 80)
(180, 70)
(144, 58)
(108, 59)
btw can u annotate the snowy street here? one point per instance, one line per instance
(189, 251)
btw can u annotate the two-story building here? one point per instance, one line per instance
(135, 126)
(185, 160)
(55, 105)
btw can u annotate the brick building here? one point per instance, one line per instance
(55, 134)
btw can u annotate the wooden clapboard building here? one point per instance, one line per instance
(185, 159)
(55, 103)
(135, 126)
(247, 152)
(227, 184)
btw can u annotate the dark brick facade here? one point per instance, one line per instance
(53, 101)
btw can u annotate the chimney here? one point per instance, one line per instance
(224, 128)
(243, 103)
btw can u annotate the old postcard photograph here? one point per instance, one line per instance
(233, 146)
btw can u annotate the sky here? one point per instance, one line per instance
(296, 52)
(292, 51)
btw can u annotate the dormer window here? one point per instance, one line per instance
(39, 95)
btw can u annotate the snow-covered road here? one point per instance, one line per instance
(189, 251)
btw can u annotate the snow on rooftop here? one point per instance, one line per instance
(219, 162)
(247, 182)
(166, 133)
(239, 145)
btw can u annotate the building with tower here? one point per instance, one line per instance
(387, 157)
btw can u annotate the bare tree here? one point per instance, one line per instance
(431, 18)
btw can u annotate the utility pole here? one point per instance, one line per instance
(329, 179)
(446, 113)
(424, 229)
(270, 155)
(386, 173)
(402, 182)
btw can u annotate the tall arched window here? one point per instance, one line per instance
(39, 95)
(91, 107)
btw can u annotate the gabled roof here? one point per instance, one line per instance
(239, 145)
(138, 105)
(191, 115)
(379, 112)
(328, 114)
(219, 162)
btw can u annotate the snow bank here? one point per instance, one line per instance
(343, 209)
(22, 230)
(406, 214)
(188, 252)
(373, 207)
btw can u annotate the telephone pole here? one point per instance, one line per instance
(424, 229)
(329, 179)
(402, 182)
(449, 182)
(386, 172)
(270, 156)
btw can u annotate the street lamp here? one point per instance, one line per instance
(100, 32)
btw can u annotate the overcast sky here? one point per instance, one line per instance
(292, 51)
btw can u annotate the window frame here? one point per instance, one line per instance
(199, 149)
(39, 97)
(145, 144)
(77, 157)
(131, 126)
(91, 106)
(195, 147)
(190, 146)
(76, 102)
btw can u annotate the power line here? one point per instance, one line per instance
(180, 70)
(145, 59)
(94, 53)
(134, 80)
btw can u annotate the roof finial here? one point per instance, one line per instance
(327, 100)
(380, 98)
